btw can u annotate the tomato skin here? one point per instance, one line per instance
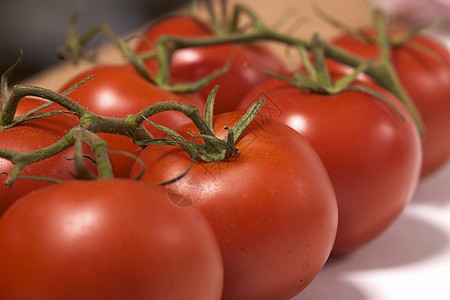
(108, 239)
(372, 156)
(32, 135)
(194, 63)
(423, 67)
(271, 206)
(117, 91)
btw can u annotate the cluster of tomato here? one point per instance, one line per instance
(314, 174)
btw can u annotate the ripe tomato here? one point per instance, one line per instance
(27, 104)
(373, 157)
(117, 91)
(194, 63)
(423, 67)
(107, 239)
(32, 135)
(271, 206)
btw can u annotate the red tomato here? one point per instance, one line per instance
(108, 239)
(33, 135)
(373, 157)
(194, 63)
(423, 67)
(27, 104)
(272, 206)
(117, 91)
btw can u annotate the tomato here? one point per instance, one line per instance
(107, 239)
(32, 135)
(194, 63)
(271, 206)
(117, 91)
(27, 104)
(373, 157)
(423, 67)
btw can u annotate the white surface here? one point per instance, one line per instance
(410, 261)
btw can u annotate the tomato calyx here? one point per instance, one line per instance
(317, 79)
(386, 40)
(213, 148)
(220, 24)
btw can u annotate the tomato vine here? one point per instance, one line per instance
(166, 45)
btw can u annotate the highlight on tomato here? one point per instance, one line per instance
(107, 239)
(270, 203)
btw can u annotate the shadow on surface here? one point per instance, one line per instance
(327, 287)
(409, 240)
(434, 189)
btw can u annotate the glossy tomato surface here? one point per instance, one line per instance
(117, 91)
(33, 135)
(423, 67)
(194, 63)
(373, 157)
(271, 206)
(108, 239)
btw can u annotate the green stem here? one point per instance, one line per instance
(130, 125)
(318, 53)
(4, 80)
(126, 50)
(74, 43)
(388, 76)
(164, 56)
(224, 12)
(148, 55)
(188, 110)
(100, 149)
(88, 120)
(74, 136)
(212, 14)
(22, 159)
(21, 91)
